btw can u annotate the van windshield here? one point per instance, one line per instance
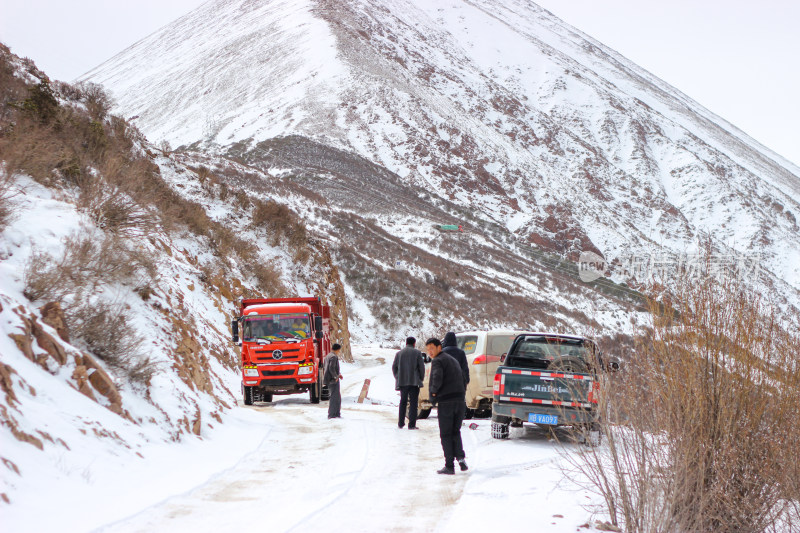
(468, 343)
(276, 327)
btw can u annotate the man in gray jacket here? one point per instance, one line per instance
(409, 372)
(331, 378)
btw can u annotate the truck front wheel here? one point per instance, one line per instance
(248, 395)
(313, 392)
(499, 430)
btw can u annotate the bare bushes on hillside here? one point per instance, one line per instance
(74, 279)
(87, 262)
(97, 101)
(63, 137)
(701, 426)
(281, 223)
(106, 329)
(112, 209)
(6, 194)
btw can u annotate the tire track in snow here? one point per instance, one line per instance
(299, 525)
(211, 480)
(360, 473)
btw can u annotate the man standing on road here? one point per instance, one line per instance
(331, 378)
(447, 389)
(409, 372)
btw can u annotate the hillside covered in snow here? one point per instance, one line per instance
(118, 280)
(122, 265)
(498, 107)
(317, 147)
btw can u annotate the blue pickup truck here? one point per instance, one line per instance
(551, 380)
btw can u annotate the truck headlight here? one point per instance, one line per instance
(305, 370)
(251, 372)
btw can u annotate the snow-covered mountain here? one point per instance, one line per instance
(121, 265)
(496, 105)
(368, 124)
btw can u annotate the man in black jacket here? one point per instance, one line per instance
(409, 372)
(450, 347)
(446, 388)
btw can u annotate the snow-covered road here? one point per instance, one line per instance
(362, 473)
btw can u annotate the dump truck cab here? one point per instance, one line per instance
(283, 343)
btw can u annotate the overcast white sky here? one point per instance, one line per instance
(738, 58)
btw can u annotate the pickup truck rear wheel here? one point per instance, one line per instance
(248, 395)
(499, 430)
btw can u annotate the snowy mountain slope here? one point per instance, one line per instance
(74, 422)
(399, 270)
(61, 412)
(120, 270)
(497, 106)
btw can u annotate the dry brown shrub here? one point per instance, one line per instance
(195, 217)
(106, 330)
(112, 209)
(279, 222)
(7, 194)
(97, 101)
(272, 217)
(268, 280)
(702, 423)
(33, 150)
(87, 262)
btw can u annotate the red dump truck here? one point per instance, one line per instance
(284, 341)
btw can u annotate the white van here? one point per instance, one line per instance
(483, 350)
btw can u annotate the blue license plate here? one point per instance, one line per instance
(551, 420)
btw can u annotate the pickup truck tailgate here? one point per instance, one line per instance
(561, 389)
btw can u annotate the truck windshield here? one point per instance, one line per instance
(276, 327)
(549, 348)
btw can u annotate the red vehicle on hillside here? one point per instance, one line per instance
(284, 341)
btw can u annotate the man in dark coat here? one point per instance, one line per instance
(450, 347)
(331, 378)
(446, 388)
(409, 372)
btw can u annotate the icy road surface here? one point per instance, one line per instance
(362, 473)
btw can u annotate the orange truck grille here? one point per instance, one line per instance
(268, 373)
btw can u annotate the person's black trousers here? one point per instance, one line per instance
(408, 395)
(335, 402)
(451, 414)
